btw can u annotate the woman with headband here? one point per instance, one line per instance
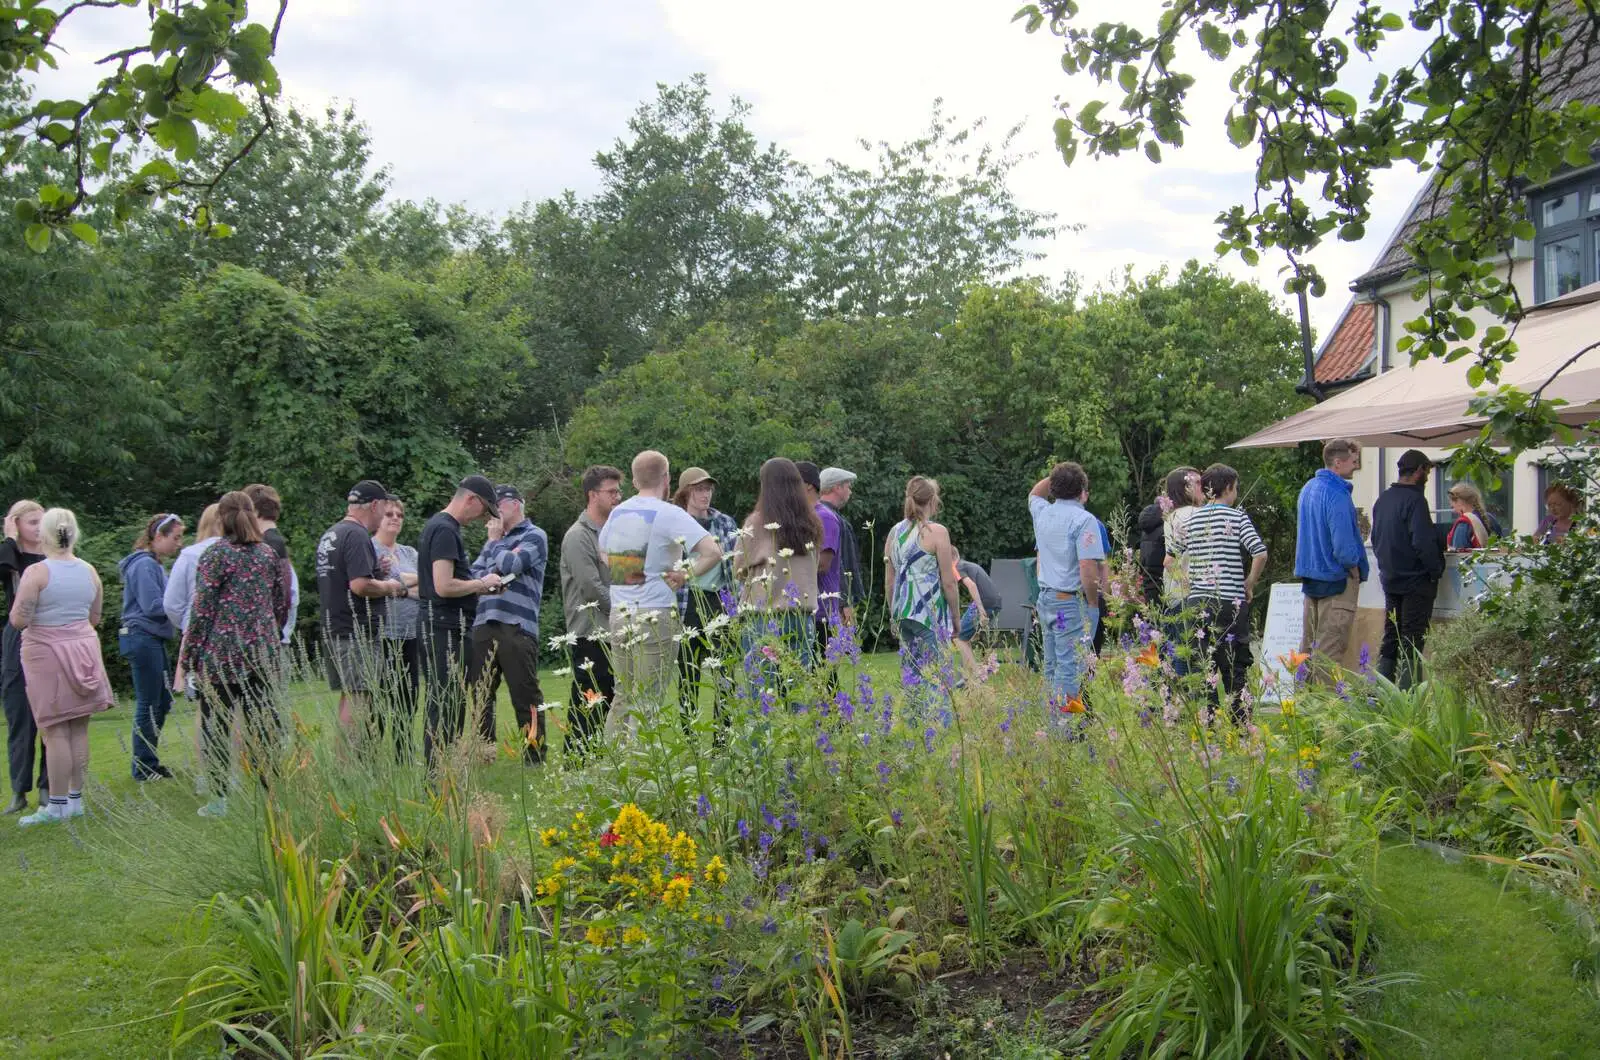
(143, 637)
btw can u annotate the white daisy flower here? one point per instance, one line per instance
(565, 671)
(785, 553)
(772, 526)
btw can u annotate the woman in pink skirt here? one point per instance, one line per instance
(57, 608)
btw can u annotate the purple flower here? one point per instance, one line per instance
(928, 738)
(1233, 785)
(1342, 690)
(765, 841)
(730, 603)
(703, 807)
(744, 828)
(824, 744)
(749, 901)
(791, 593)
(1144, 719)
(767, 700)
(1356, 761)
(716, 981)
(784, 890)
(846, 706)
(1060, 621)
(896, 817)
(1366, 660)
(1305, 779)
(883, 772)
(769, 926)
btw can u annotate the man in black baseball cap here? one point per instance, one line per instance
(449, 593)
(483, 490)
(350, 588)
(1410, 562)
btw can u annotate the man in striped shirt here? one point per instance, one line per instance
(505, 633)
(1215, 540)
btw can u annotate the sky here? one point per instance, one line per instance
(495, 102)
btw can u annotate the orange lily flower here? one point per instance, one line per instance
(1073, 706)
(1151, 656)
(1294, 660)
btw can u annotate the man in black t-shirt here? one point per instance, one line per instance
(351, 587)
(449, 595)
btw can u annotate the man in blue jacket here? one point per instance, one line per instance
(1410, 562)
(1330, 559)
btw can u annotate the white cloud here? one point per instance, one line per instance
(845, 70)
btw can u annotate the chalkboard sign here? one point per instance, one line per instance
(1285, 620)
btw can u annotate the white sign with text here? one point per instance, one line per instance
(1285, 620)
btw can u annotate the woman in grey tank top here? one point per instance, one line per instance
(57, 608)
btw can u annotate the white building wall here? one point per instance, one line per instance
(1377, 464)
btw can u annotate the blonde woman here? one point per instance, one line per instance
(920, 568)
(57, 608)
(20, 549)
(1474, 526)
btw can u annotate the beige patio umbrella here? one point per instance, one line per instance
(1426, 404)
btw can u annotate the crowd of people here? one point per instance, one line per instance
(644, 583)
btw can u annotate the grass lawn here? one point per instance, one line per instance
(1499, 968)
(95, 955)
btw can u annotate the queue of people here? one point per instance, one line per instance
(643, 579)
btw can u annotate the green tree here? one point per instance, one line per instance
(84, 413)
(931, 217)
(199, 58)
(380, 376)
(694, 213)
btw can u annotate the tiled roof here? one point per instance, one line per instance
(1575, 78)
(1348, 349)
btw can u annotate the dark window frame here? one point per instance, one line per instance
(1585, 227)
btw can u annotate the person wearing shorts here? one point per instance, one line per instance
(349, 585)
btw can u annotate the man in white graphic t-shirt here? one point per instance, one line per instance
(643, 545)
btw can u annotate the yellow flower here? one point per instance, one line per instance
(676, 895)
(548, 837)
(550, 886)
(591, 851)
(597, 935)
(1310, 755)
(716, 871)
(563, 864)
(1287, 708)
(685, 853)
(633, 936)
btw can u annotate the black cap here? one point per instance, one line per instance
(1411, 460)
(508, 492)
(480, 488)
(366, 491)
(810, 474)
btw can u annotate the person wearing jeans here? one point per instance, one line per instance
(1330, 559)
(1070, 553)
(143, 637)
(1410, 563)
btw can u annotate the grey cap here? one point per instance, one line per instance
(836, 476)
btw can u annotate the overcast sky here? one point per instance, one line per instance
(493, 102)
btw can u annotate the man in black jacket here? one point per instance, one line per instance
(1410, 563)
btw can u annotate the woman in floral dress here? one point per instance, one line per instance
(232, 645)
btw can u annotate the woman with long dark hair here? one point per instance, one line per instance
(232, 644)
(144, 636)
(778, 564)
